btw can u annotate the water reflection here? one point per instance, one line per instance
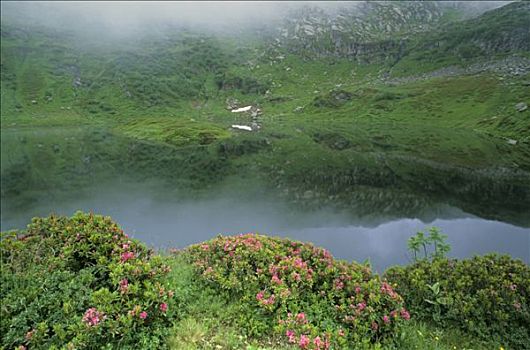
(168, 223)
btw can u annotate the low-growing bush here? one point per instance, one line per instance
(487, 296)
(80, 282)
(301, 292)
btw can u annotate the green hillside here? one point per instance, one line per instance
(437, 125)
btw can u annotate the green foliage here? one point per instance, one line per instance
(486, 296)
(421, 242)
(333, 99)
(300, 291)
(80, 282)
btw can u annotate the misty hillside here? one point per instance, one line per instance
(420, 101)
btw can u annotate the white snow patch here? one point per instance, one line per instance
(241, 127)
(242, 109)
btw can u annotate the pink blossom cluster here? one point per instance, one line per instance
(93, 317)
(304, 341)
(387, 289)
(124, 286)
(260, 297)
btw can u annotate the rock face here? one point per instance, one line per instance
(384, 31)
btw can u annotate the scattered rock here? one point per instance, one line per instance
(298, 109)
(521, 106)
(511, 142)
(34, 102)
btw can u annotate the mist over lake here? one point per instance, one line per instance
(161, 221)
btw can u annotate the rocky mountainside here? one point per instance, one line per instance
(389, 30)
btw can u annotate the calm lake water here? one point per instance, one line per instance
(163, 223)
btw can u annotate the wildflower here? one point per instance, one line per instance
(276, 280)
(127, 256)
(341, 332)
(386, 319)
(304, 341)
(513, 287)
(357, 290)
(124, 285)
(339, 284)
(300, 317)
(318, 342)
(92, 317)
(405, 314)
(143, 315)
(361, 306)
(375, 326)
(290, 335)
(163, 307)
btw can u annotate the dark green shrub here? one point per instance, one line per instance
(300, 291)
(333, 99)
(80, 282)
(487, 296)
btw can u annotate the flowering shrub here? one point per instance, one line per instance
(80, 282)
(487, 295)
(304, 294)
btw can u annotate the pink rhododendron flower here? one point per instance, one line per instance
(318, 342)
(93, 317)
(276, 280)
(339, 284)
(300, 317)
(259, 296)
(163, 307)
(124, 285)
(127, 256)
(375, 326)
(386, 319)
(405, 314)
(304, 341)
(291, 336)
(357, 290)
(143, 315)
(361, 306)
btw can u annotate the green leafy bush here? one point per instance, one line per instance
(80, 282)
(487, 296)
(300, 291)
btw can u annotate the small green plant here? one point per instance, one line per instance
(438, 300)
(485, 296)
(420, 242)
